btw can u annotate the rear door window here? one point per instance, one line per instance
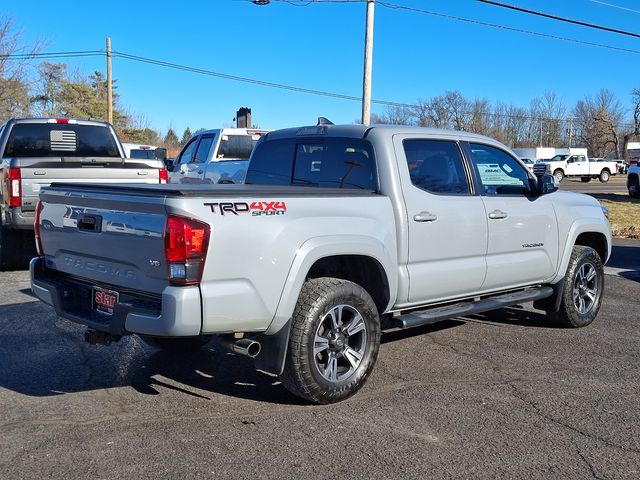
(436, 166)
(60, 140)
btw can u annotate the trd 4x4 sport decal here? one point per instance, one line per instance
(256, 209)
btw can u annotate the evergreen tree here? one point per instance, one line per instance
(185, 137)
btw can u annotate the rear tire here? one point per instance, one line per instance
(559, 174)
(583, 289)
(634, 187)
(585, 179)
(17, 248)
(334, 342)
(604, 176)
(176, 344)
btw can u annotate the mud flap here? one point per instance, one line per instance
(553, 302)
(274, 350)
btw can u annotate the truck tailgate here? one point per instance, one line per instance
(37, 174)
(113, 239)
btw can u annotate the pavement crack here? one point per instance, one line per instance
(589, 464)
(520, 396)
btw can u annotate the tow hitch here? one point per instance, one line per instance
(95, 337)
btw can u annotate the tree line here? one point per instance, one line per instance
(599, 122)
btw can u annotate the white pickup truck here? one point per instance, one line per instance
(38, 151)
(215, 156)
(581, 166)
(338, 232)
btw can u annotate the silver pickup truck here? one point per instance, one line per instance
(38, 151)
(215, 156)
(339, 232)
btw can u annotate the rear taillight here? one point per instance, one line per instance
(164, 175)
(185, 248)
(36, 230)
(14, 188)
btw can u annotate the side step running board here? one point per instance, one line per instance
(436, 314)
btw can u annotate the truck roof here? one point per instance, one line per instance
(361, 131)
(234, 131)
(77, 121)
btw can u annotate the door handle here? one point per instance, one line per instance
(497, 215)
(425, 217)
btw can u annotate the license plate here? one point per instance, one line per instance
(104, 300)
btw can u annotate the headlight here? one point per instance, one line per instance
(605, 210)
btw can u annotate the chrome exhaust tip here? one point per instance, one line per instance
(244, 346)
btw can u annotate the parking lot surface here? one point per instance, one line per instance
(498, 395)
(616, 184)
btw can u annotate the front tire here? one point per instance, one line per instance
(559, 174)
(334, 342)
(583, 289)
(634, 188)
(604, 176)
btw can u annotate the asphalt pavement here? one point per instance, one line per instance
(505, 394)
(616, 184)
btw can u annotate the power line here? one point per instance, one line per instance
(503, 27)
(254, 81)
(45, 55)
(560, 19)
(613, 5)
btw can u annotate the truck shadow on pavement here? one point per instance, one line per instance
(42, 356)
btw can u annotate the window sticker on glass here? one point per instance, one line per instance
(63, 140)
(492, 174)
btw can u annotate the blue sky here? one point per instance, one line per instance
(320, 46)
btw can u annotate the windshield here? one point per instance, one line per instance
(60, 140)
(558, 158)
(139, 153)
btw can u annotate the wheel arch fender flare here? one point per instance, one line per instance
(577, 228)
(318, 248)
(275, 339)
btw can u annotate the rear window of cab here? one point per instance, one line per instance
(326, 162)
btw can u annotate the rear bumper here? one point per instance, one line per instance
(175, 313)
(14, 217)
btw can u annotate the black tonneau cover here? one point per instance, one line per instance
(202, 190)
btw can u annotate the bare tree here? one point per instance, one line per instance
(599, 122)
(14, 88)
(634, 132)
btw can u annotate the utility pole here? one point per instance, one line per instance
(541, 131)
(570, 130)
(368, 63)
(109, 83)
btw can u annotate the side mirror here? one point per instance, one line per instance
(161, 154)
(168, 162)
(547, 183)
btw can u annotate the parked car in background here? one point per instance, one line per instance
(633, 180)
(39, 151)
(150, 152)
(581, 166)
(528, 163)
(338, 232)
(215, 156)
(622, 166)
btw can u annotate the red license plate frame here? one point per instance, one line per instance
(104, 300)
